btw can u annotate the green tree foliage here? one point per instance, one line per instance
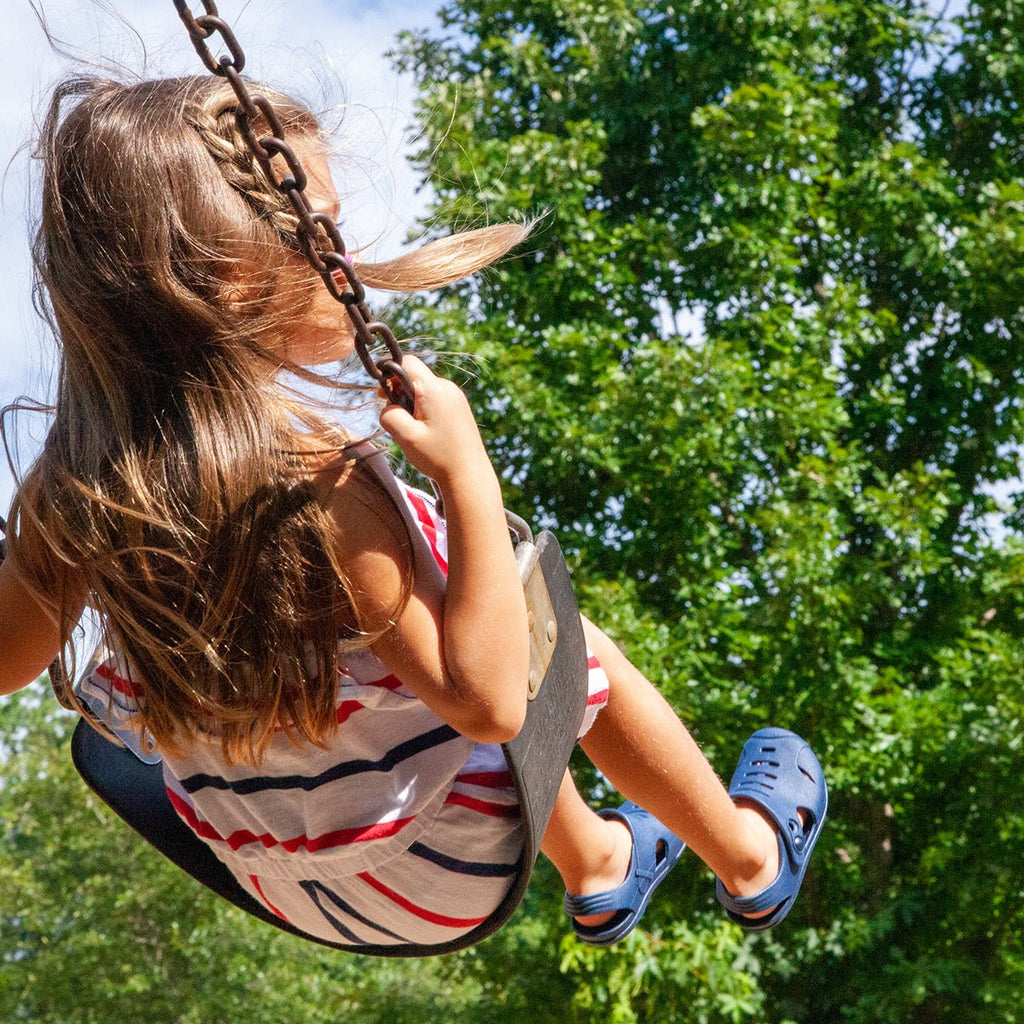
(761, 368)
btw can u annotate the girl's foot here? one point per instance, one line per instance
(609, 914)
(779, 787)
(609, 871)
(763, 868)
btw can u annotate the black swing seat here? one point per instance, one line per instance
(537, 758)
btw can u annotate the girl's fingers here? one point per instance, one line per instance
(416, 368)
(396, 420)
(418, 373)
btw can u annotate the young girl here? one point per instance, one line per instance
(324, 665)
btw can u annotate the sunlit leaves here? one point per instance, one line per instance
(761, 369)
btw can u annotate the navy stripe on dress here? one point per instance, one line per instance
(480, 869)
(345, 769)
(315, 890)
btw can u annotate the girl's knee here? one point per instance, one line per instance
(606, 650)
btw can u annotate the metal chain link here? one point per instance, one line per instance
(334, 265)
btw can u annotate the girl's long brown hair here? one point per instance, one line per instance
(175, 478)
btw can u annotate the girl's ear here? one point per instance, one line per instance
(242, 287)
(238, 293)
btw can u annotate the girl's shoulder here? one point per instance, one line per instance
(373, 543)
(363, 500)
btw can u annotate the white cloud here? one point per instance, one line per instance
(322, 50)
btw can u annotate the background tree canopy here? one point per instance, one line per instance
(761, 368)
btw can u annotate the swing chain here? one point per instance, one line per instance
(334, 265)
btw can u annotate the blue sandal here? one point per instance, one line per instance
(778, 771)
(655, 852)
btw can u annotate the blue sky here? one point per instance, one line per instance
(295, 44)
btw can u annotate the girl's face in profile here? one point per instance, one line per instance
(321, 332)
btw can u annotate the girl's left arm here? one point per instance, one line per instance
(29, 636)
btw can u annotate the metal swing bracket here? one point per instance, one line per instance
(541, 618)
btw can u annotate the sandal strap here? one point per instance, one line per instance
(647, 868)
(778, 771)
(596, 903)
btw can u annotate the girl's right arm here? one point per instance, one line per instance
(460, 644)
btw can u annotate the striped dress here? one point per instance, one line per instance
(403, 831)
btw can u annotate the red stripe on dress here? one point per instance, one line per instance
(487, 807)
(346, 709)
(243, 837)
(187, 813)
(428, 528)
(418, 911)
(593, 663)
(119, 683)
(601, 697)
(263, 896)
(489, 780)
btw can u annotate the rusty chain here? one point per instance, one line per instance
(333, 264)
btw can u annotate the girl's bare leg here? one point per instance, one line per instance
(590, 853)
(647, 754)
